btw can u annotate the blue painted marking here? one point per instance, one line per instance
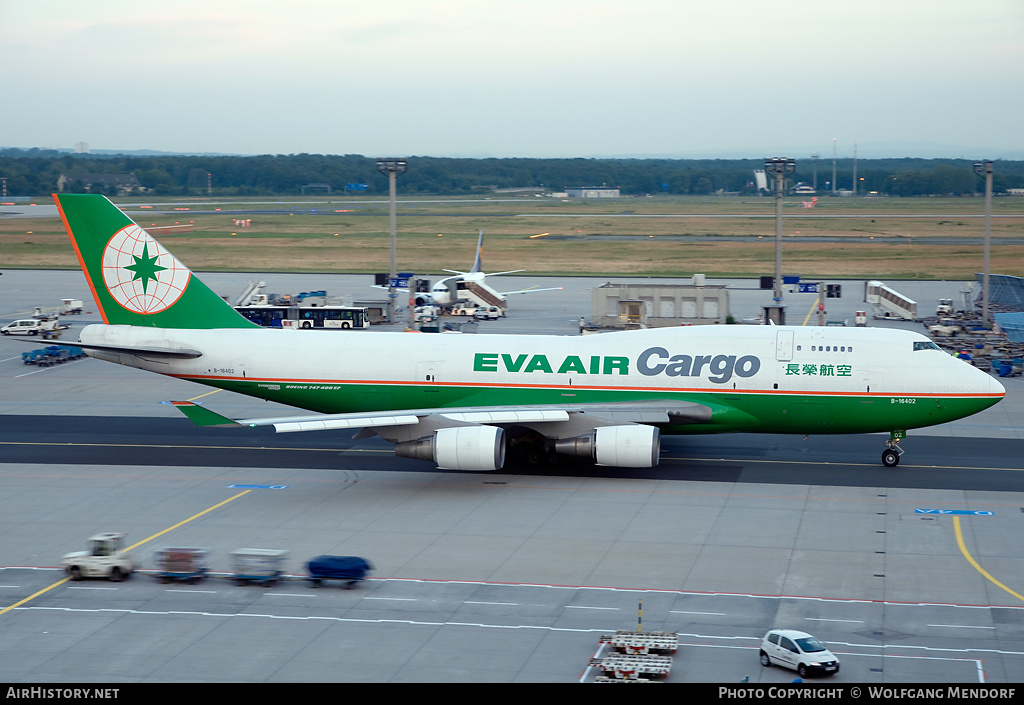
(258, 487)
(966, 512)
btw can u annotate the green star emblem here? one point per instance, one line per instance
(145, 267)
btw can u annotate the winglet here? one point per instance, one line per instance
(201, 416)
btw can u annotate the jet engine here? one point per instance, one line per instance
(632, 446)
(459, 448)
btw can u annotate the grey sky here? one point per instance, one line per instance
(559, 78)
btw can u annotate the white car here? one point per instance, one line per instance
(491, 313)
(799, 651)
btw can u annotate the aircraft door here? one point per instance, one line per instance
(427, 375)
(784, 346)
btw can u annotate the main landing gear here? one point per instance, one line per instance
(891, 454)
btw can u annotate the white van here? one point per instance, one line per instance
(24, 326)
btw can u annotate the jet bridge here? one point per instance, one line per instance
(889, 303)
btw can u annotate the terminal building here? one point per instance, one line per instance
(631, 306)
(592, 192)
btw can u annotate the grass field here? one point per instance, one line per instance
(626, 236)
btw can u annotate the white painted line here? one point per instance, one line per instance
(44, 369)
(210, 592)
(76, 587)
(290, 594)
(585, 607)
(960, 626)
(396, 599)
(509, 604)
(717, 614)
(822, 619)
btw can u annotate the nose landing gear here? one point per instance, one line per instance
(891, 454)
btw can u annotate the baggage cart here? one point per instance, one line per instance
(180, 564)
(258, 565)
(631, 642)
(351, 570)
(632, 666)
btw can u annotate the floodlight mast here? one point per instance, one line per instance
(392, 166)
(779, 166)
(985, 169)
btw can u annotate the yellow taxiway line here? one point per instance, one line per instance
(977, 567)
(161, 533)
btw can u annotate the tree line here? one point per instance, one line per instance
(35, 172)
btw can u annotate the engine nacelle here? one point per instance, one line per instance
(632, 446)
(459, 448)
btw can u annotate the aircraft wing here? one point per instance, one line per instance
(574, 417)
(530, 291)
(472, 438)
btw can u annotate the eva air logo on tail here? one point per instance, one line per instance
(140, 274)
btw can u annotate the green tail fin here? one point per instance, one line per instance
(201, 416)
(134, 280)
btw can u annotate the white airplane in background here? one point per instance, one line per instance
(462, 401)
(451, 290)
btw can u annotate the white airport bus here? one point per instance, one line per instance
(307, 317)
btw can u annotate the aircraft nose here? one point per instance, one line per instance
(985, 384)
(995, 386)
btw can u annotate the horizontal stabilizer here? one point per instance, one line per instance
(201, 416)
(180, 353)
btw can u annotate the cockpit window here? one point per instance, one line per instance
(925, 345)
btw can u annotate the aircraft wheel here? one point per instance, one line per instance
(890, 458)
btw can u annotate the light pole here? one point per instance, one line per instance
(392, 166)
(779, 166)
(833, 166)
(985, 169)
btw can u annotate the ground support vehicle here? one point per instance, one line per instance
(349, 569)
(1007, 367)
(70, 306)
(489, 313)
(426, 314)
(464, 309)
(258, 565)
(182, 564)
(106, 558)
(633, 666)
(44, 326)
(51, 355)
(35, 357)
(630, 642)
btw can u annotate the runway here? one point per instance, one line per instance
(911, 574)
